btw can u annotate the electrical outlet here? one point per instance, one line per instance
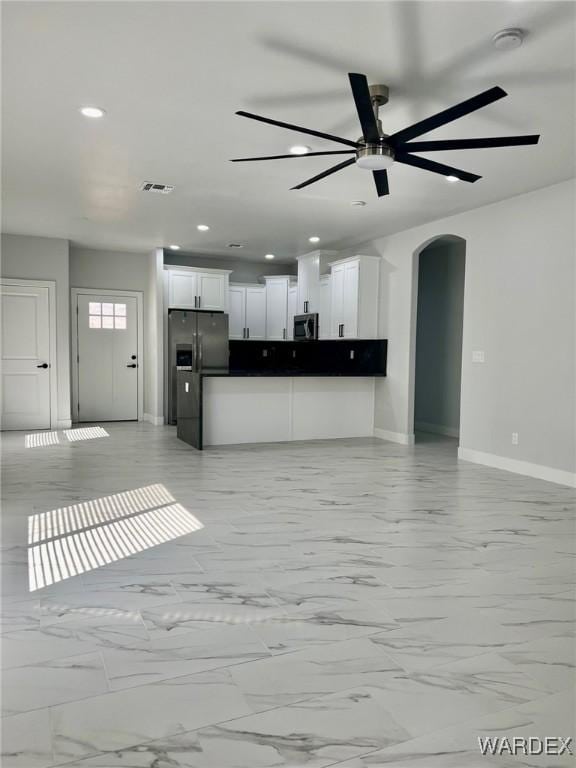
(514, 438)
(478, 356)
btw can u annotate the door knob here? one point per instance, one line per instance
(42, 365)
(132, 365)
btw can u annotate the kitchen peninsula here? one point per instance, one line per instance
(276, 392)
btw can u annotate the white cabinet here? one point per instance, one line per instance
(237, 312)
(325, 309)
(310, 267)
(308, 284)
(277, 315)
(354, 298)
(256, 312)
(247, 311)
(182, 290)
(212, 290)
(191, 288)
(292, 309)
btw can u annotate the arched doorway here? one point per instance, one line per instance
(439, 299)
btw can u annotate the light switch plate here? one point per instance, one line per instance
(478, 356)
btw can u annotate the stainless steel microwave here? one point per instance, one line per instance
(306, 327)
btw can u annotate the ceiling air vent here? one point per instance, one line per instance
(151, 186)
(235, 245)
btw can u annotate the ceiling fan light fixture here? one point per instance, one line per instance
(299, 149)
(375, 157)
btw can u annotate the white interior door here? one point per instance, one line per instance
(25, 352)
(107, 358)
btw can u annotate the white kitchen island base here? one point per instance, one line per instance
(272, 409)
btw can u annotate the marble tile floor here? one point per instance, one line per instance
(351, 603)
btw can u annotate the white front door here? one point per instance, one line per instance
(107, 358)
(25, 357)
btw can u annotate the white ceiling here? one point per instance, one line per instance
(171, 76)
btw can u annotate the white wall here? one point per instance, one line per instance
(439, 337)
(518, 308)
(118, 270)
(46, 258)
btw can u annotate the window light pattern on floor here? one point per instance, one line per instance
(41, 439)
(85, 433)
(73, 540)
(64, 520)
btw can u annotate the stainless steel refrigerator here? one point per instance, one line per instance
(197, 342)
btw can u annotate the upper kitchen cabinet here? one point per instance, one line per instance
(354, 298)
(247, 311)
(310, 267)
(277, 310)
(292, 308)
(191, 288)
(325, 307)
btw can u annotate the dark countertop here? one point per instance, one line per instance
(287, 373)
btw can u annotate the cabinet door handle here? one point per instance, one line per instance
(306, 307)
(283, 333)
(199, 301)
(341, 330)
(247, 333)
(195, 302)
(243, 333)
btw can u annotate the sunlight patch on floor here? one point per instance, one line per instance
(41, 439)
(85, 433)
(72, 540)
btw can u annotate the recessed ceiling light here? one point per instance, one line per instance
(452, 178)
(174, 247)
(358, 202)
(314, 239)
(203, 227)
(92, 111)
(269, 256)
(299, 149)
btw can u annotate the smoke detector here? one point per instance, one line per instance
(508, 39)
(152, 186)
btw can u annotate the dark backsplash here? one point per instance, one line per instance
(339, 357)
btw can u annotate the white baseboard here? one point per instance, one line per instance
(404, 438)
(63, 424)
(158, 421)
(436, 429)
(539, 471)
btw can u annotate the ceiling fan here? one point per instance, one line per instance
(377, 151)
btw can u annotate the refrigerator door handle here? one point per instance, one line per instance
(200, 351)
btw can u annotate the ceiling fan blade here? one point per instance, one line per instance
(447, 116)
(282, 157)
(446, 144)
(361, 93)
(381, 180)
(430, 165)
(299, 129)
(325, 173)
